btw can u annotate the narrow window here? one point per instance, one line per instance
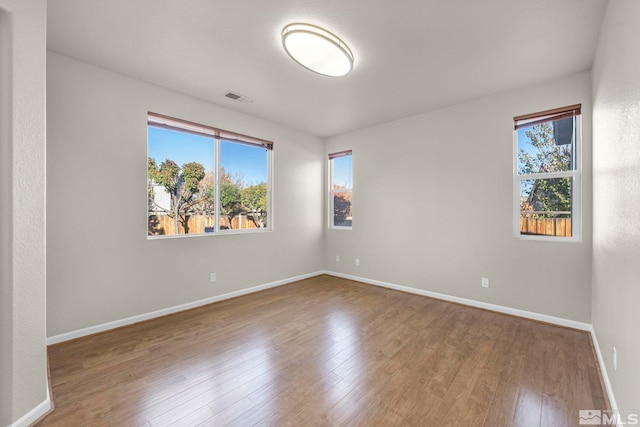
(205, 180)
(341, 189)
(547, 174)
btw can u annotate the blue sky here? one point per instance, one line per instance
(183, 148)
(342, 171)
(524, 142)
(247, 160)
(250, 161)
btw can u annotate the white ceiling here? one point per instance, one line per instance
(411, 56)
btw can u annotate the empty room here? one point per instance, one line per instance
(294, 213)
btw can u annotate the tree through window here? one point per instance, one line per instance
(341, 189)
(547, 175)
(204, 180)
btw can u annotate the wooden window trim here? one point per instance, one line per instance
(344, 153)
(172, 123)
(547, 115)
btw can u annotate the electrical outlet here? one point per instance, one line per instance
(357, 261)
(485, 282)
(212, 277)
(615, 359)
(337, 258)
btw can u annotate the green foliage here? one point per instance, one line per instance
(341, 208)
(167, 175)
(549, 157)
(552, 195)
(152, 168)
(192, 174)
(192, 191)
(255, 197)
(182, 184)
(229, 197)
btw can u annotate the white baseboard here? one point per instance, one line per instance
(473, 303)
(603, 371)
(33, 415)
(502, 309)
(163, 312)
(46, 405)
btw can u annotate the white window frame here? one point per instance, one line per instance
(332, 191)
(575, 175)
(216, 135)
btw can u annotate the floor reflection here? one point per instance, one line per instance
(344, 337)
(213, 382)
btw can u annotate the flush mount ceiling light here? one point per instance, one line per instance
(317, 49)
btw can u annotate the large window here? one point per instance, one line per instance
(205, 180)
(547, 174)
(341, 189)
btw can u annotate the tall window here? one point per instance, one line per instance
(205, 180)
(547, 174)
(341, 189)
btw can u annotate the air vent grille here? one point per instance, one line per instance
(238, 97)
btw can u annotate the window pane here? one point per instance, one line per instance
(342, 173)
(545, 206)
(243, 186)
(342, 209)
(180, 182)
(547, 147)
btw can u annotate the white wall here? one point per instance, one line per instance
(23, 375)
(433, 206)
(616, 198)
(101, 267)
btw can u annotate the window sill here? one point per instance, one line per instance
(221, 233)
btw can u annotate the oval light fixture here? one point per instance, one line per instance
(317, 49)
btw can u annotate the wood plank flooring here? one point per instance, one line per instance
(327, 351)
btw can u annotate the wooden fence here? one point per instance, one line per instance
(197, 224)
(546, 226)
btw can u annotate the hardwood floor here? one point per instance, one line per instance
(327, 351)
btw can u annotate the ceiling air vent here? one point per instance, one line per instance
(238, 97)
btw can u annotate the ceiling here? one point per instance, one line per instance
(411, 56)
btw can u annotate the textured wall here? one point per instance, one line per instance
(616, 198)
(23, 385)
(433, 206)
